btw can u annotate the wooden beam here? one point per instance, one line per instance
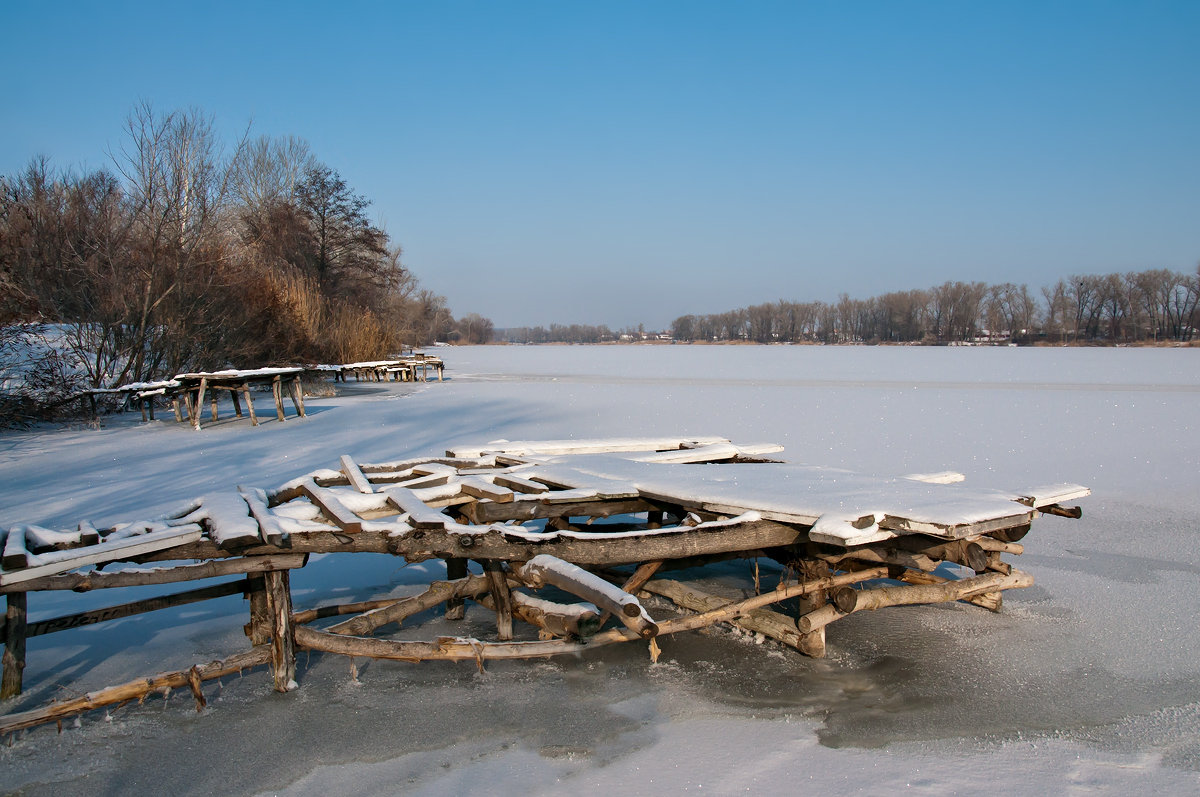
(501, 596)
(96, 579)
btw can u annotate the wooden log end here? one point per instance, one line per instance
(845, 599)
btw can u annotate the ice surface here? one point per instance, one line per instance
(1086, 682)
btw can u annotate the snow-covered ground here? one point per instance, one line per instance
(1089, 681)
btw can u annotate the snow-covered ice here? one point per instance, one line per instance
(1089, 681)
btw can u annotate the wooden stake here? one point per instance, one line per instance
(259, 627)
(283, 650)
(14, 645)
(277, 392)
(502, 597)
(455, 569)
(249, 403)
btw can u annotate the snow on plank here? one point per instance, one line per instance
(420, 515)
(357, 480)
(62, 561)
(332, 507)
(600, 446)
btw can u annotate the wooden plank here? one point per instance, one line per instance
(96, 579)
(518, 484)
(420, 515)
(331, 507)
(355, 475)
(16, 555)
(477, 487)
(268, 525)
(106, 552)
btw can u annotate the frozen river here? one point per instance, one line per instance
(1090, 680)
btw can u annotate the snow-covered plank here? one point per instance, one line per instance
(940, 477)
(587, 446)
(849, 530)
(268, 525)
(16, 555)
(227, 518)
(478, 487)
(125, 548)
(1051, 494)
(357, 480)
(519, 484)
(420, 515)
(332, 507)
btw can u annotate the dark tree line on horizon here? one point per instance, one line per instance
(1154, 305)
(183, 257)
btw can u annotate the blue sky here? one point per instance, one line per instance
(629, 162)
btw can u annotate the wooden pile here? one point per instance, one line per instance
(520, 525)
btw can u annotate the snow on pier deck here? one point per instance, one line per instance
(601, 520)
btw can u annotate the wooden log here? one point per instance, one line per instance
(777, 626)
(535, 509)
(175, 407)
(133, 690)
(83, 582)
(682, 543)
(259, 627)
(282, 647)
(237, 405)
(544, 569)
(577, 620)
(93, 616)
(397, 610)
(456, 569)
(992, 601)
(213, 404)
(456, 649)
(277, 392)
(340, 609)
(501, 597)
(925, 593)
(249, 403)
(14, 645)
(199, 402)
(298, 397)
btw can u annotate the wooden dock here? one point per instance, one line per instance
(601, 520)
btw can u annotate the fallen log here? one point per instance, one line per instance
(545, 569)
(134, 690)
(944, 592)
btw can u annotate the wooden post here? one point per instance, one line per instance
(249, 403)
(283, 644)
(14, 645)
(259, 627)
(194, 409)
(813, 642)
(298, 396)
(277, 390)
(142, 406)
(502, 597)
(213, 404)
(455, 569)
(237, 405)
(175, 406)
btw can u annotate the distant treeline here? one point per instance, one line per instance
(191, 256)
(1115, 308)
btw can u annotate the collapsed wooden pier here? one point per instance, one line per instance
(564, 541)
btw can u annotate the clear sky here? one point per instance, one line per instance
(626, 162)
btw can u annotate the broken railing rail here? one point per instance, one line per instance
(561, 514)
